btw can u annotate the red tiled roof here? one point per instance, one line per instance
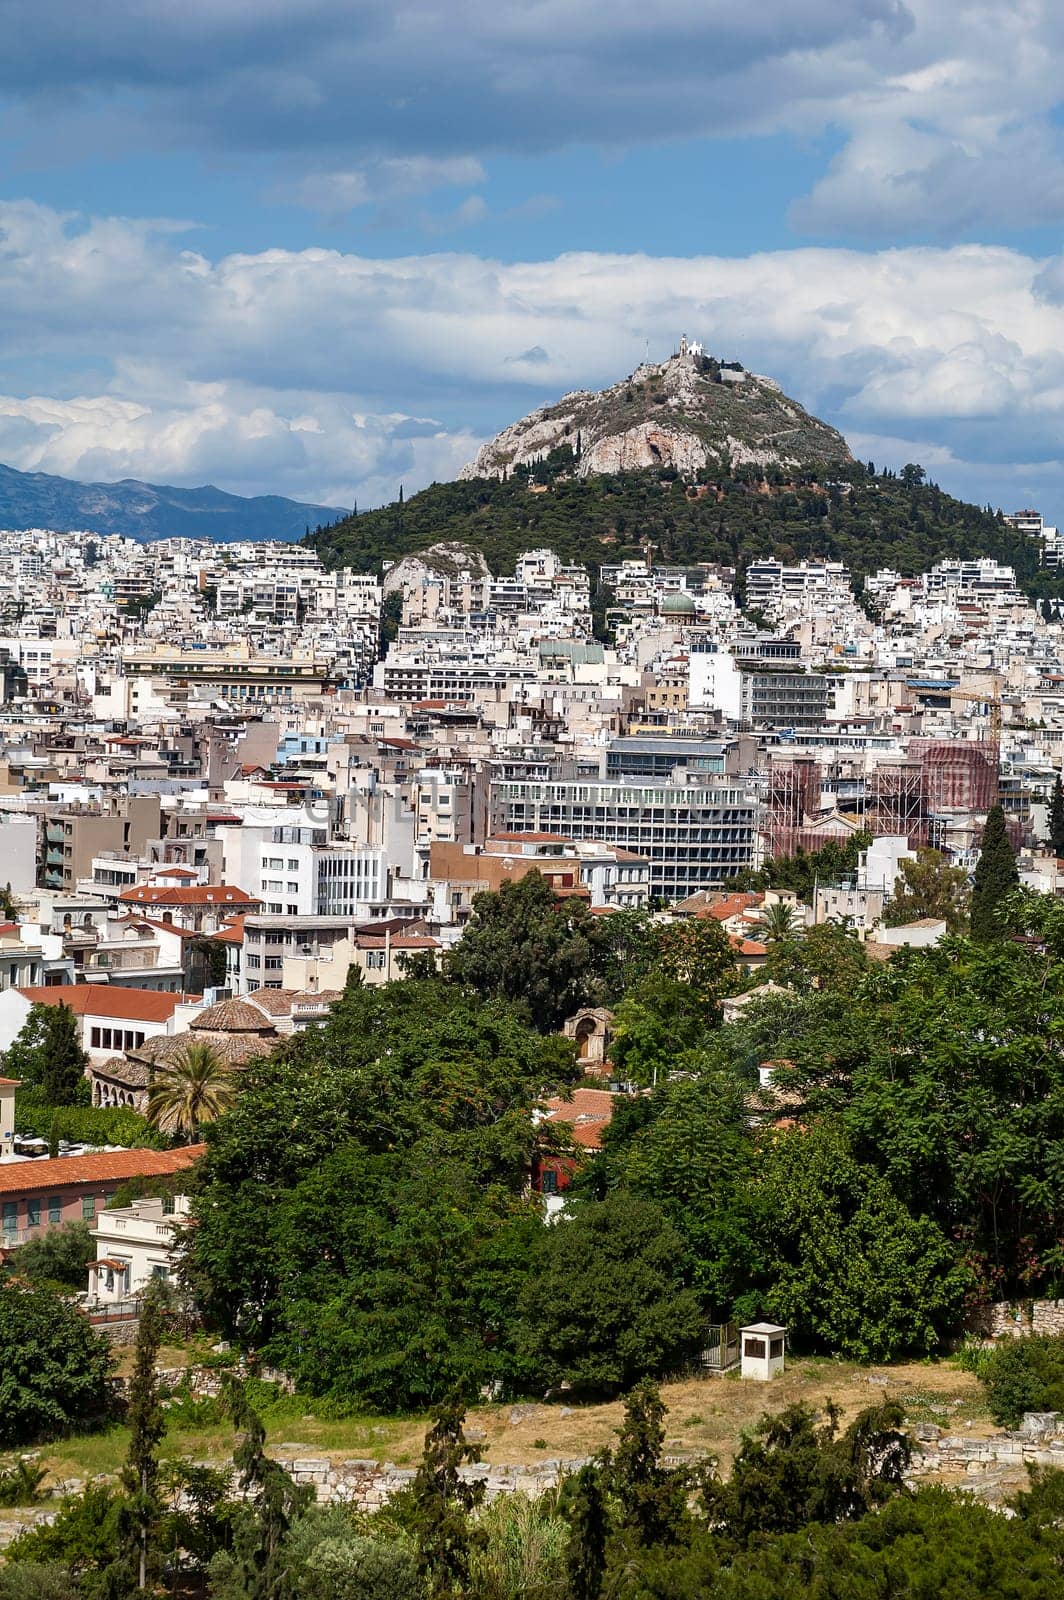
(232, 933)
(108, 1166)
(731, 906)
(586, 1115)
(199, 894)
(533, 838)
(747, 947)
(108, 1000)
(11, 1083)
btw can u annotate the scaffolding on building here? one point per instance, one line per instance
(960, 775)
(793, 796)
(895, 801)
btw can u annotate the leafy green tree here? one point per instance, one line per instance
(58, 1257)
(54, 1368)
(793, 1470)
(26, 1056)
(825, 957)
(926, 1543)
(995, 879)
(435, 1087)
(929, 887)
(694, 1158)
(848, 1266)
(36, 1581)
(609, 1300)
(65, 1062)
(442, 1503)
(524, 946)
(1056, 818)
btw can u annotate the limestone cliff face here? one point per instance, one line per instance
(449, 559)
(686, 413)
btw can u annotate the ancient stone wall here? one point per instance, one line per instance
(1011, 1319)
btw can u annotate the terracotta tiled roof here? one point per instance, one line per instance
(231, 1016)
(197, 894)
(110, 1166)
(108, 1000)
(587, 1114)
(232, 933)
(273, 1002)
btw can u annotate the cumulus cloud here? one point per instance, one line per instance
(944, 109)
(330, 376)
(383, 182)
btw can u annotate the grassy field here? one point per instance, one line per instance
(707, 1416)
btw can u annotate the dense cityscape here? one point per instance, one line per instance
(531, 801)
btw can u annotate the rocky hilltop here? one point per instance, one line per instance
(690, 412)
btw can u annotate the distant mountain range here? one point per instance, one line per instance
(151, 510)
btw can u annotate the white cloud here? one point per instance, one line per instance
(311, 373)
(383, 182)
(944, 108)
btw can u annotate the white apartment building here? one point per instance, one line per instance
(135, 1245)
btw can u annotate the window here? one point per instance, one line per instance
(160, 1272)
(33, 1213)
(55, 1208)
(88, 1207)
(550, 1182)
(10, 1216)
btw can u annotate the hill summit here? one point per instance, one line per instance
(692, 413)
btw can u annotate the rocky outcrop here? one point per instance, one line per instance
(448, 559)
(687, 413)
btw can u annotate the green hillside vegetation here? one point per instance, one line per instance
(864, 518)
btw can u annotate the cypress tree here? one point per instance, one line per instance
(995, 879)
(64, 1059)
(140, 1477)
(1056, 819)
(443, 1504)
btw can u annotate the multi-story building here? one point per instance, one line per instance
(694, 832)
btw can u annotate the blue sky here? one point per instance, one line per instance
(321, 247)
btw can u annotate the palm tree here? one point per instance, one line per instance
(193, 1088)
(778, 922)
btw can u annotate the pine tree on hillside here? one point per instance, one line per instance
(64, 1059)
(1056, 819)
(994, 880)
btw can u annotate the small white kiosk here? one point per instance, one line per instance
(761, 1350)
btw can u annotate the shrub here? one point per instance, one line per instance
(1024, 1375)
(54, 1369)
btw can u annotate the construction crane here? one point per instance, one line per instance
(991, 700)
